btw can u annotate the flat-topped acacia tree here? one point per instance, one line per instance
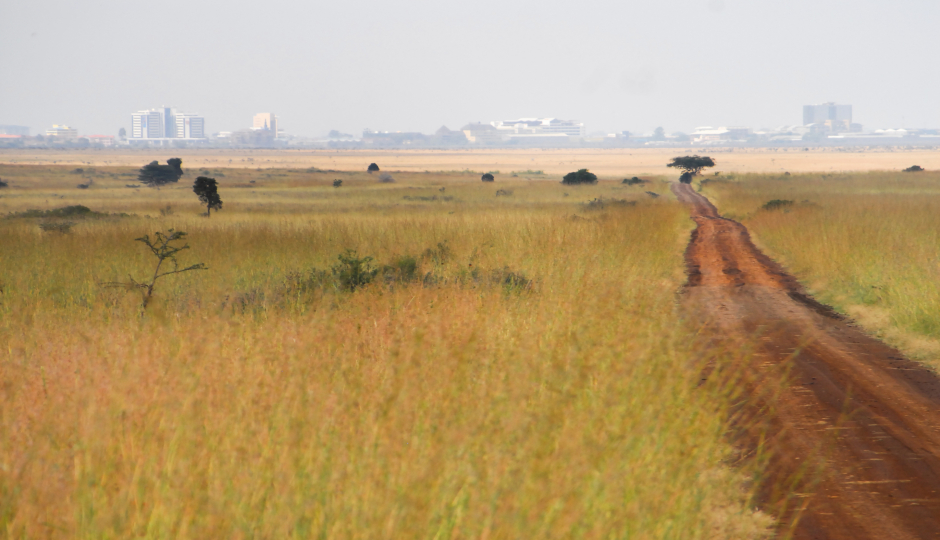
(581, 176)
(155, 175)
(691, 165)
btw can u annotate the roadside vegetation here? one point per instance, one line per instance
(355, 364)
(866, 243)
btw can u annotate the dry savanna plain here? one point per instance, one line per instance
(428, 357)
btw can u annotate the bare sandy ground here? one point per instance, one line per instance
(604, 162)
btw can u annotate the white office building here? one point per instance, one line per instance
(164, 124)
(539, 127)
(190, 126)
(146, 125)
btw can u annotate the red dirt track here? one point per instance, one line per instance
(849, 424)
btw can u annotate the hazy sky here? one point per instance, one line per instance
(417, 65)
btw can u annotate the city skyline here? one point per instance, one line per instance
(169, 122)
(418, 65)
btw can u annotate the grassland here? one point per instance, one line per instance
(866, 243)
(259, 399)
(612, 163)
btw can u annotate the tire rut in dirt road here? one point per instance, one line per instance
(850, 424)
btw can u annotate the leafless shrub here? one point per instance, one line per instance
(162, 248)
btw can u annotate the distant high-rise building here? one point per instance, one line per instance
(147, 125)
(62, 132)
(14, 130)
(166, 123)
(836, 117)
(190, 126)
(266, 121)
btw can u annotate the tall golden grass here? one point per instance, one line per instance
(451, 407)
(869, 244)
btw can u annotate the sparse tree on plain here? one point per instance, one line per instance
(155, 175)
(373, 168)
(581, 176)
(488, 178)
(208, 191)
(692, 165)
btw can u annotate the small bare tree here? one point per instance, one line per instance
(162, 249)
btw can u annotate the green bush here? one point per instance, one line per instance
(776, 204)
(352, 271)
(512, 281)
(404, 269)
(581, 176)
(439, 254)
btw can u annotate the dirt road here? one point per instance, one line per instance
(850, 424)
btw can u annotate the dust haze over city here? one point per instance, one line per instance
(415, 66)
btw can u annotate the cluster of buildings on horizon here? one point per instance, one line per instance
(823, 124)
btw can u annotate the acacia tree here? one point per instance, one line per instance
(208, 191)
(581, 176)
(155, 175)
(373, 168)
(691, 165)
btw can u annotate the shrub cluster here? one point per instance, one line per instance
(62, 227)
(445, 198)
(600, 203)
(777, 204)
(353, 272)
(76, 211)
